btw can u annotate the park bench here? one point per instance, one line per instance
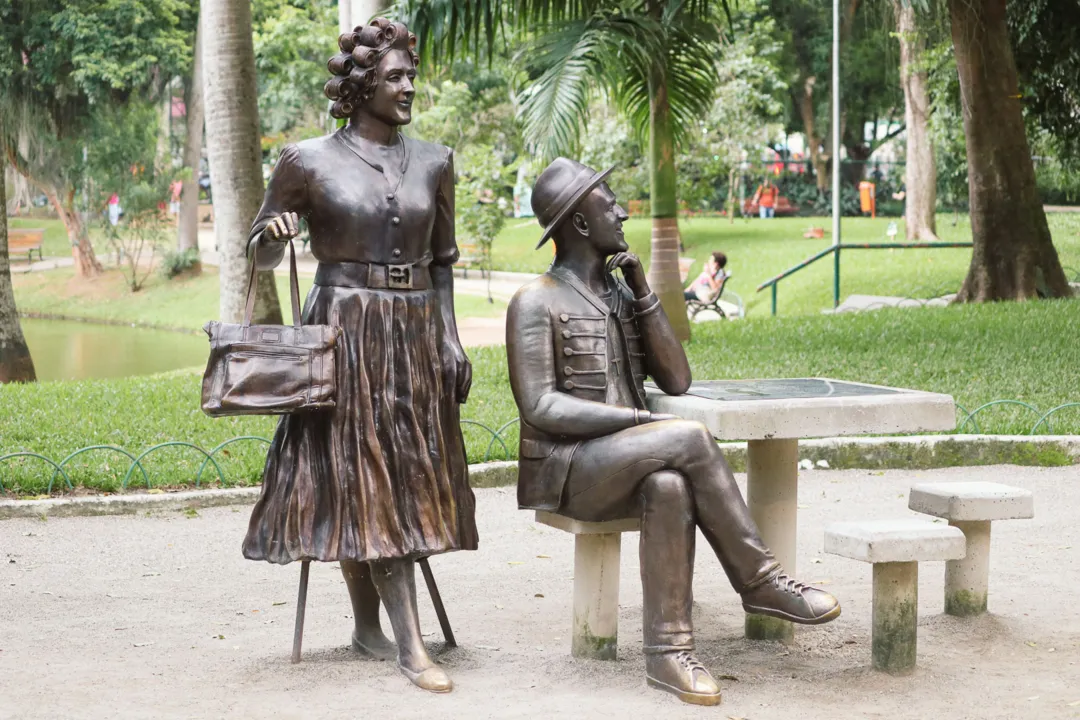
(597, 550)
(26, 240)
(971, 507)
(895, 548)
(783, 207)
(712, 302)
(470, 257)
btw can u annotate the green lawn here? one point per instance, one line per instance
(760, 249)
(1016, 351)
(184, 304)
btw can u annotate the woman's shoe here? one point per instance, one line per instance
(433, 679)
(374, 647)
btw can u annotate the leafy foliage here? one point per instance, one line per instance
(293, 41)
(1046, 47)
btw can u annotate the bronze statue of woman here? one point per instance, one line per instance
(381, 480)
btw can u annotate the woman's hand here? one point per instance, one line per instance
(283, 228)
(459, 369)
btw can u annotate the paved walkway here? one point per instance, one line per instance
(136, 617)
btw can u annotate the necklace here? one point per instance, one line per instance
(378, 166)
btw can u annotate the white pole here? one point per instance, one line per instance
(836, 152)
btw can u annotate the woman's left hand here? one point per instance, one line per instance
(454, 358)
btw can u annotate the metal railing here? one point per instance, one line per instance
(969, 418)
(774, 282)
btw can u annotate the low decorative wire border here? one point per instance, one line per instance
(969, 418)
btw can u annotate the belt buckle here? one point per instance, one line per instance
(399, 277)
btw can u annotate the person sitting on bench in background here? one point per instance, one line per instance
(711, 278)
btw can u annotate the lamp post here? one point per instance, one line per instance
(836, 152)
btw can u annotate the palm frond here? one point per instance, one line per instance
(686, 67)
(567, 63)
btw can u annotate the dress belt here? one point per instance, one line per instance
(414, 276)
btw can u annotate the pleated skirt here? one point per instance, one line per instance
(383, 474)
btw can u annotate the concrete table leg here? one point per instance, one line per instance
(967, 580)
(596, 596)
(896, 616)
(772, 490)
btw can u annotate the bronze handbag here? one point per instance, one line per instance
(270, 369)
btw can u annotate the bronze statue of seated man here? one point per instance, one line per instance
(580, 345)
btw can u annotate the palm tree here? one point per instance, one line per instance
(233, 143)
(15, 362)
(654, 58)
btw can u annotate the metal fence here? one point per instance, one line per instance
(966, 419)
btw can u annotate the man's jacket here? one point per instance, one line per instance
(577, 368)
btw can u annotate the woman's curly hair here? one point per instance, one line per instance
(354, 67)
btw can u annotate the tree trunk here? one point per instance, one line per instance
(920, 170)
(233, 144)
(16, 365)
(86, 263)
(804, 101)
(1014, 257)
(188, 237)
(358, 12)
(664, 255)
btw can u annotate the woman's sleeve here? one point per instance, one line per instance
(286, 192)
(444, 249)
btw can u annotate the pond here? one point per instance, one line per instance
(64, 350)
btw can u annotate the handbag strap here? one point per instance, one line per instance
(294, 289)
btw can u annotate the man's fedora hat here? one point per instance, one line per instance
(559, 189)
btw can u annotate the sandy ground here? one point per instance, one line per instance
(137, 617)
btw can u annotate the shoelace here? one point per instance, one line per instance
(689, 662)
(788, 584)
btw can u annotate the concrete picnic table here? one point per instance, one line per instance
(771, 415)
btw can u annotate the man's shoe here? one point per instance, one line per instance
(781, 596)
(679, 673)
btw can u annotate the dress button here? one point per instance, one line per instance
(390, 196)
(395, 220)
(566, 334)
(567, 352)
(569, 385)
(564, 317)
(568, 370)
(397, 253)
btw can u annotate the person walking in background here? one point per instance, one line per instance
(114, 209)
(711, 278)
(765, 198)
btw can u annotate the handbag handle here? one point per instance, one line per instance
(294, 289)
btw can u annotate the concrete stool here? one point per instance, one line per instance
(895, 547)
(597, 549)
(971, 506)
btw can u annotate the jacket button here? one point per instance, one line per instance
(564, 317)
(566, 334)
(569, 385)
(568, 352)
(395, 220)
(568, 370)
(396, 253)
(390, 196)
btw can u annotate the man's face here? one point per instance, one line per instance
(392, 99)
(604, 217)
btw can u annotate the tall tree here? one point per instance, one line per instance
(57, 64)
(16, 364)
(1014, 257)
(656, 59)
(193, 145)
(233, 144)
(920, 170)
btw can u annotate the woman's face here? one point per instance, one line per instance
(391, 101)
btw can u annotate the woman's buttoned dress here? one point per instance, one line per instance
(383, 474)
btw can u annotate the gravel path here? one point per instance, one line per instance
(137, 617)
